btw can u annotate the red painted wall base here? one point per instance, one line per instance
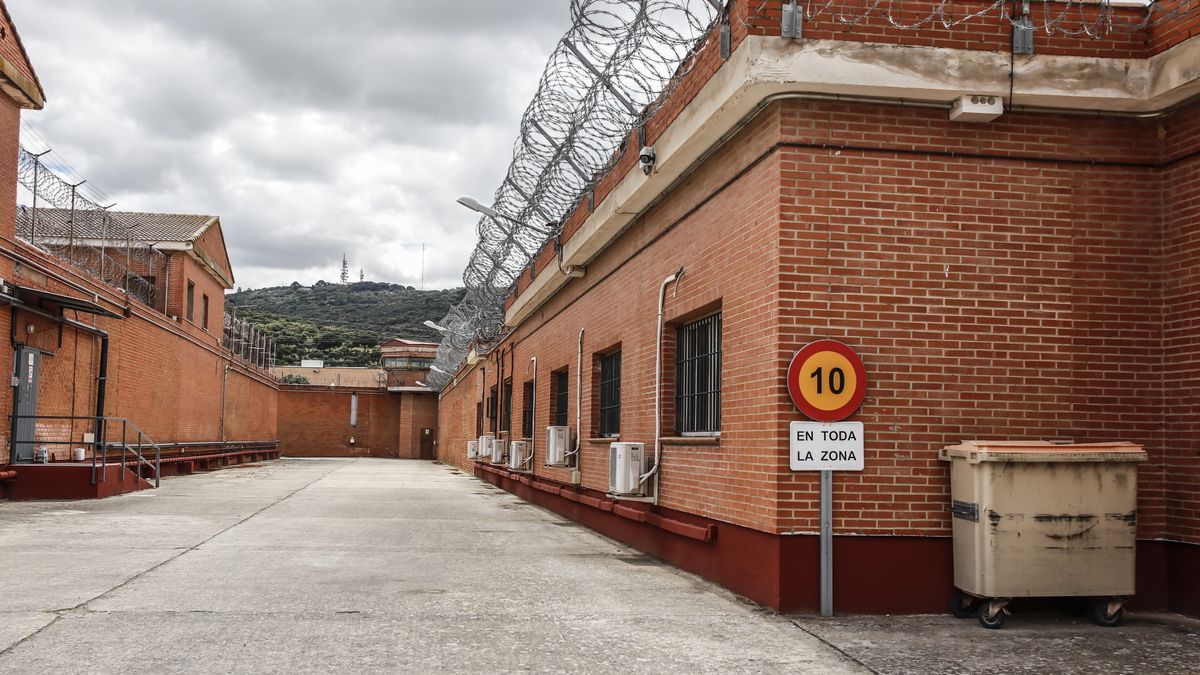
(1183, 576)
(74, 481)
(67, 481)
(872, 574)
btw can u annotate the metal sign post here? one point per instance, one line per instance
(827, 381)
(826, 543)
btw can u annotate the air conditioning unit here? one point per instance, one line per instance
(558, 443)
(498, 449)
(626, 464)
(484, 450)
(472, 449)
(518, 456)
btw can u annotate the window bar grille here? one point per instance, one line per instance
(698, 376)
(610, 394)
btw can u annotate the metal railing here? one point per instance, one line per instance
(132, 442)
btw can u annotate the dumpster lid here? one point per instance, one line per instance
(1043, 451)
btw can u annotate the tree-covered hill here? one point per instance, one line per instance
(342, 324)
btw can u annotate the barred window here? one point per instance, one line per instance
(407, 363)
(560, 398)
(610, 394)
(527, 412)
(698, 376)
(506, 407)
(492, 408)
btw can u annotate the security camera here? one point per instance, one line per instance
(646, 157)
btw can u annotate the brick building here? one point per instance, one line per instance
(336, 376)
(1034, 276)
(368, 412)
(118, 336)
(406, 363)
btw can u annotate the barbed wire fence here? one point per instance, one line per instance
(243, 339)
(1091, 18)
(618, 63)
(73, 221)
(66, 222)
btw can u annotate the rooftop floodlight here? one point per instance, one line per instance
(438, 370)
(440, 329)
(474, 205)
(421, 384)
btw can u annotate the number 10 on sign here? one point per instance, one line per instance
(827, 381)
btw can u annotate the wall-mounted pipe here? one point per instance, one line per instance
(102, 377)
(658, 350)
(578, 407)
(224, 389)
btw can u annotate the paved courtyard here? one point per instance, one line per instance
(378, 565)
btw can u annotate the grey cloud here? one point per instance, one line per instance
(310, 127)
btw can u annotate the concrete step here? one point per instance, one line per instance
(68, 480)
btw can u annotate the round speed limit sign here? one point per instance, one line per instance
(827, 381)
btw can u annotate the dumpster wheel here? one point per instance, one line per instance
(992, 613)
(962, 606)
(1108, 612)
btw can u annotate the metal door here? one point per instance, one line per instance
(426, 443)
(27, 372)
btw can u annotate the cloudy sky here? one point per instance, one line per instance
(310, 127)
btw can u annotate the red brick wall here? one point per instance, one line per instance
(989, 32)
(251, 411)
(418, 420)
(165, 377)
(212, 244)
(720, 226)
(10, 134)
(457, 417)
(1174, 22)
(1001, 281)
(12, 52)
(185, 269)
(315, 422)
(1181, 267)
(998, 295)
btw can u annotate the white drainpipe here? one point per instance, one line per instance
(579, 407)
(662, 301)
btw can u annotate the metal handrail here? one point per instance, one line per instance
(101, 445)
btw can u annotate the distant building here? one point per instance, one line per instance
(375, 412)
(368, 378)
(407, 363)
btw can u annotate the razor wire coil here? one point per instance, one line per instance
(617, 64)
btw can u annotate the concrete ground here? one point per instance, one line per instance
(384, 565)
(1028, 643)
(357, 565)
